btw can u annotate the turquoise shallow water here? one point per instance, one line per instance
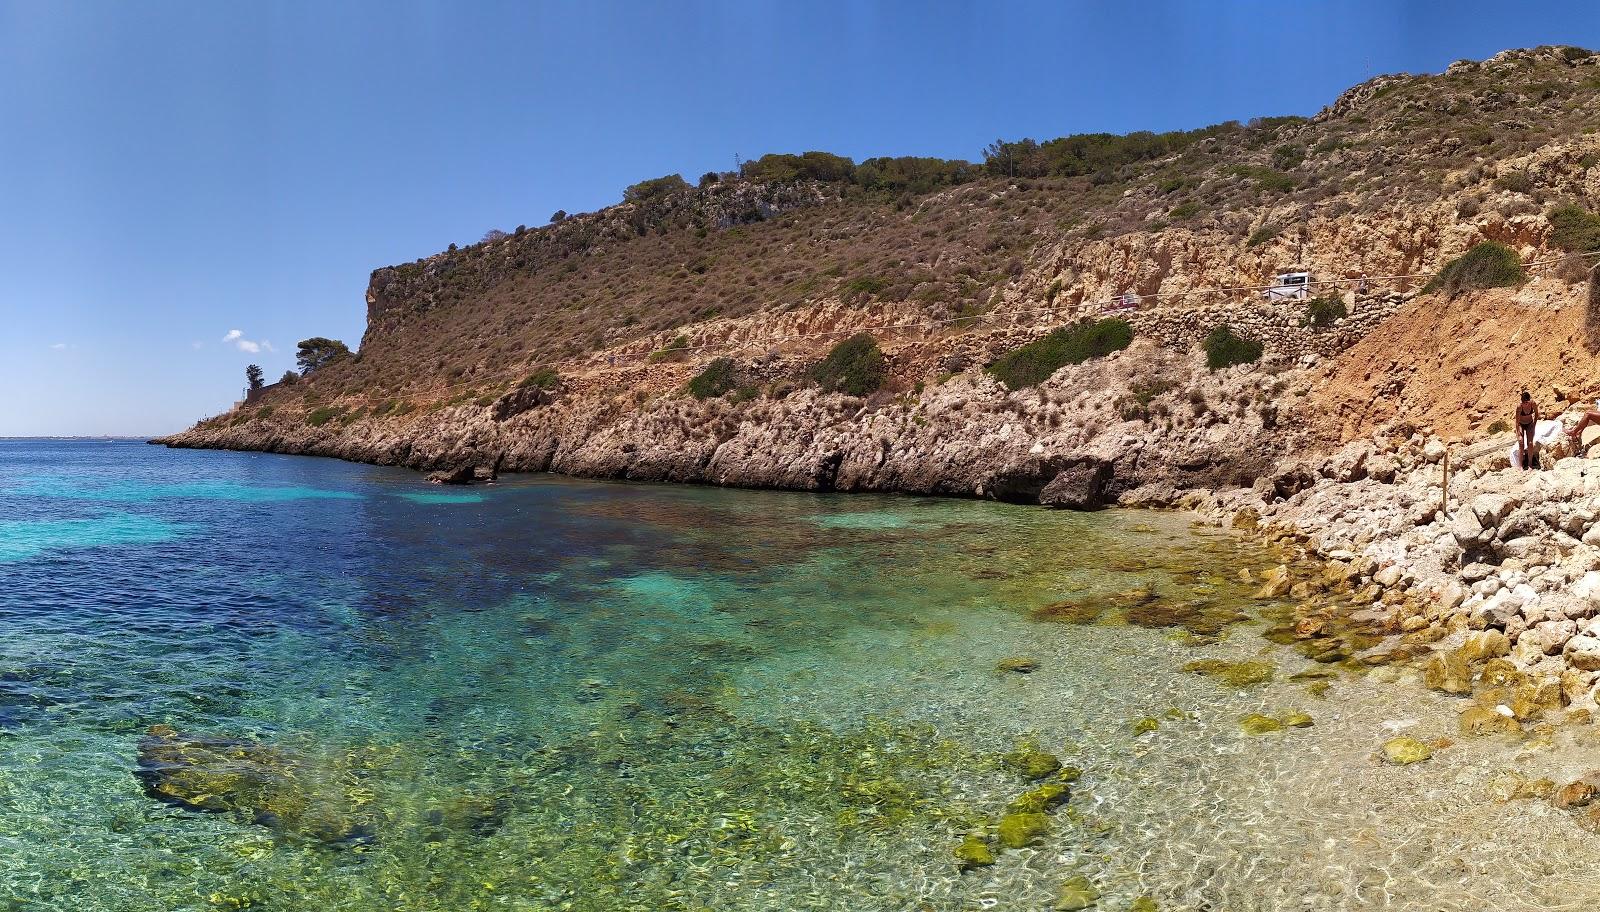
(551, 694)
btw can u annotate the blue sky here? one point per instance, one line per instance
(173, 173)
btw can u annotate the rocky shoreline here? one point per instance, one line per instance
(1137, 427)
(1494, 600)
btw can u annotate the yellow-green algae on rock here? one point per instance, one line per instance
(1019, 829)
(1040, 799)
(256, 783)
(1405, 750)
(1031, 762)
(1075, 894)
(974, 852)
(1234, 674)
(1257, 724)
(1085, 611)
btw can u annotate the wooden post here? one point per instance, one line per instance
(1444, 489)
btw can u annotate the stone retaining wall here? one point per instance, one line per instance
(1277, 324)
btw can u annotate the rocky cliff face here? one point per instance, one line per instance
(1370, 197)
(968, 436)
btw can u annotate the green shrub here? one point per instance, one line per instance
(1145, 393)
(1574, 228)
(866, 285)
(822, 166)
(1185, 211)
(1487, 265)
(1262, 235)
(1498, 426)
(673, 351)
(321, 416)
(316, 353)
(264, 412)
(1033, 363)
(544, 378)
(654, 188)
(1324, 311)
(1515, 181)
(1224, 349)
(716, 380)
(1288, 158)
(855, 366)
(1266, 178)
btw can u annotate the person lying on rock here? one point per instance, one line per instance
(1592, 416)
(1527, 416)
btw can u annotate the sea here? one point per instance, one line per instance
(252, 681)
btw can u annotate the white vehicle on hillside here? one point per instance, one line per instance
(1292, 286)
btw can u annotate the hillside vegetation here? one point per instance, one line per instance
(1401, 172)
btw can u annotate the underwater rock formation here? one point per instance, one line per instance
(253, 782)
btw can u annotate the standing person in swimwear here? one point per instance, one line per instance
(1527, 415)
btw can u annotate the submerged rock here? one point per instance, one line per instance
(1256, 724)
(974, 852)
(1146, 725)
(1448, 672)
(1143, 904)
(1515, 786)
(1032, 762)
(1084, 611)
(1017, 830)
(1575, 794)
(1203, 618)
(1018, 664)
(1046, 797)
(254, 782)
(1076, 894)
(1481, 721)
(1405, 750)
(1234, 674)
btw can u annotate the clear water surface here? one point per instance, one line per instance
(555, 694)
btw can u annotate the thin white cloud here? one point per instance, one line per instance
(197, 345)
(236, 336)
(62, 346)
